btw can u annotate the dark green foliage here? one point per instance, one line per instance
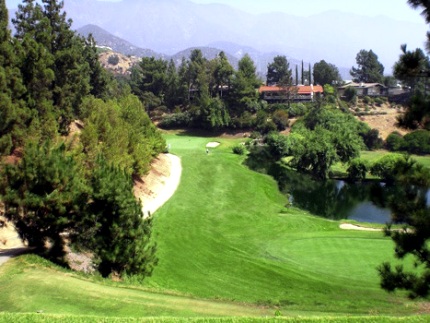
(99, 79)
(277, 145)
(280, 119)
(243, 87)
(412, 210)
(371, 139)
(325, 73)
(239, 149)
(417, 113)
(13, 113)
(176, 120)
(113, 60)
(223, 72)
(122, 236)
(418, 142)
(325, 135)
(350, 94)
(314, 153)
(121, 132)
(369, 69)
(357, 169)
(279, 71)
(297, 110)
(43, 196)
(395, 142)
(400, 168)
(411, 68)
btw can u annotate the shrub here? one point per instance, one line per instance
(372, 140)
(277, 145)
(350, 94)
(357, 169)
(177, 120)
(239, 149)
(379, 101)
(367, 100)
(395, 142)
(387, 167)
(297, 110)
(280, 119)
(113, 59)
(418, 142)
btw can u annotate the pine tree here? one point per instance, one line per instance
(99, 79)
(122, 239)
(43, 196)
(13, 112)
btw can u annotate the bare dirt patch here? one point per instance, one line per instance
(383, 118)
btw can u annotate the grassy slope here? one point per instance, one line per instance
(225, 235)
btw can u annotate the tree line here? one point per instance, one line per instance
(57, 187)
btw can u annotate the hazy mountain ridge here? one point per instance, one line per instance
(170, 26)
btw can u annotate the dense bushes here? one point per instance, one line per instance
(239, 149)
(417, 142)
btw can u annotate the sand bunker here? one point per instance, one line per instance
(213, 144)
(348, 226)
(156, 188)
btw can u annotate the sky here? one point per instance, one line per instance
(397, 9)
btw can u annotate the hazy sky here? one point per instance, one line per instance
(397, 9)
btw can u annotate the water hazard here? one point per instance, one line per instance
(372, 202)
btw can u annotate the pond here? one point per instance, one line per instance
(370, 201)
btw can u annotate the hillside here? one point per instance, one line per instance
(117, 44)
(173, 25)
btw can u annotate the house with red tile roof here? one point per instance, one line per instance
(296, 93)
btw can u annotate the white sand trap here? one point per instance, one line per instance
(348, 226)
(157, 187)
(213, 144)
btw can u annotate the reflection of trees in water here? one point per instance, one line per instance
(336, 199)
(329, 199)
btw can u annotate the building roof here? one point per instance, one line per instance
(361, 85)
(301, 89)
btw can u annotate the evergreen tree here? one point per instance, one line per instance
(45, 32)
(278, 71)
(43, 196)
(99, 78)
(244, 84)
(303, 74)
(325, 73)
(172, 97)
(223, 73)
(13, 113)
(369, 69)
(122, 236)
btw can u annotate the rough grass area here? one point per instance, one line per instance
(228, 247)
(41, 318)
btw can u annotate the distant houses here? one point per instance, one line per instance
(394, 94)
(295, 93)
(364, 89)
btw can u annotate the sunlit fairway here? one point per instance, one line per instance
(227, 246)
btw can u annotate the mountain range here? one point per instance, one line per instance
(170, 26)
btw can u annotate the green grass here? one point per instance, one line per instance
(339, 169)
(227, 247)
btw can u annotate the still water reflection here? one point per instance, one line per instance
(335, 199)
